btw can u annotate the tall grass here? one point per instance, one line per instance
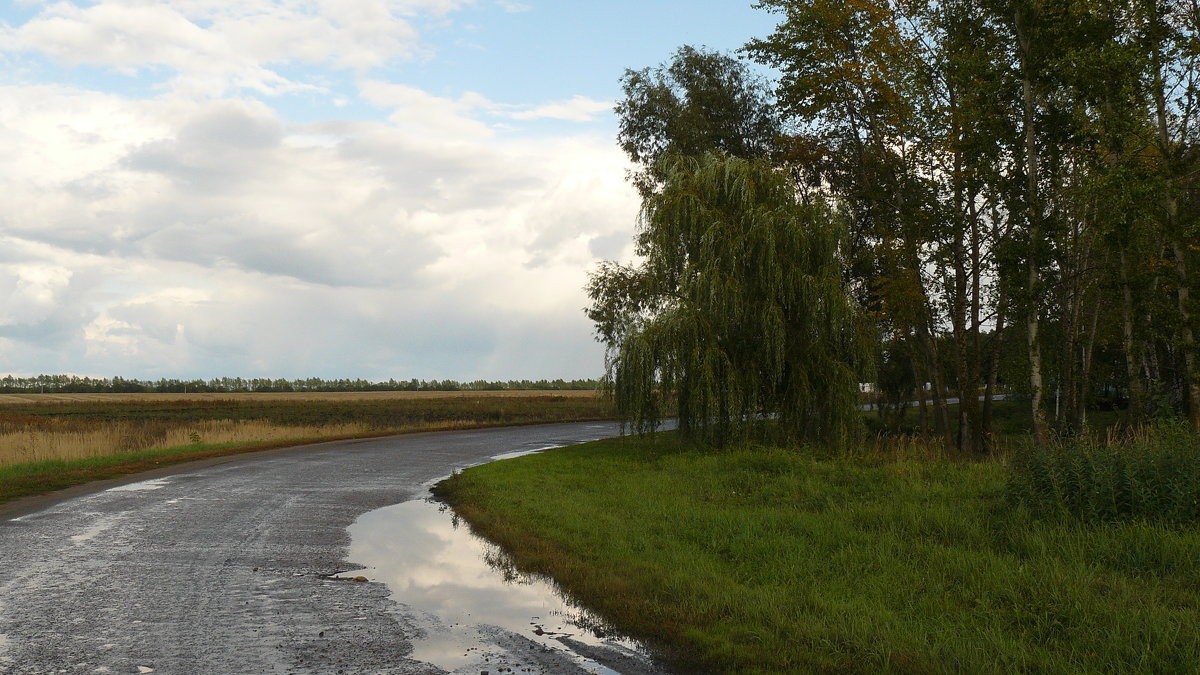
(1144, 473)
(28, 445)
(770, 560)
(101, 425)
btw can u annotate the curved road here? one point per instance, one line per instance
(217, 566)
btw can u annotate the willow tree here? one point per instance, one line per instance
(738, 316)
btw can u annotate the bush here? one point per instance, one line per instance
(1152, 474)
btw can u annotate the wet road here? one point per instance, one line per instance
(222, 567)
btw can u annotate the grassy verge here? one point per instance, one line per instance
(763, 560)
(50, 446)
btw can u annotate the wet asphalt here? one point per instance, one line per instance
(221, 566)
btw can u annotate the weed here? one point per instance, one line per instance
(1145, 473)
(761, 559)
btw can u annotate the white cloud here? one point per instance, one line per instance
(423, 115)
(514, 7)
(202, 232)
(169, 237)
(213, 46)
(576, 109)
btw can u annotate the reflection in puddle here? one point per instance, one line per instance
(95, 529)
(152, 484)
(522, 453)
(433, 565)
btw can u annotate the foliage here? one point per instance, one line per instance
(767, 560)
(1024, 165)
(700, 102)
(1152, 475)
(739, 309)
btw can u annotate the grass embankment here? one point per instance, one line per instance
(49, 444)
(764, 560)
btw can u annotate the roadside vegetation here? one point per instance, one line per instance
(891, 558)
(947, 200)
(56, 443)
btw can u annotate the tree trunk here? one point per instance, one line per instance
(993, 371)
(1190, 383)
(1137, 392)
(941, 415)
(919, 378)
(1033, 216)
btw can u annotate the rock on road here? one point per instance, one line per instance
(216, 567)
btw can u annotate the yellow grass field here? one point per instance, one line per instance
(41, 427)
(10, 399)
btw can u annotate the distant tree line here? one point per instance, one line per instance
(1015, 185)
(72, 384)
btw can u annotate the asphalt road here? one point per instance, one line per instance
(218, 567)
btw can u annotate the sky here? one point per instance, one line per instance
(319, 188)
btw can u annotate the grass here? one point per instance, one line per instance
(763, 560)
(259, 397)
(54, 442)
(1150, 473)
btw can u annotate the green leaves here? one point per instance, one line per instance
(750, 316)
(699, 102)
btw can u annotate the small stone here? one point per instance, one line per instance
(360, 578)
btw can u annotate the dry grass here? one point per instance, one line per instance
(33, 446)
(24, 399)
(73, 427)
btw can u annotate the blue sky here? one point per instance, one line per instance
(338, 188)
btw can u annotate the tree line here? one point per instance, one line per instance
(72, 384)
(1014, 188)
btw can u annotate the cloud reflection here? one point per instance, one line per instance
(436, 568)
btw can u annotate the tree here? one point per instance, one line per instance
(739, 310)
(701, 101)
(899, 106)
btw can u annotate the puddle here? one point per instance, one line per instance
(95, 529)
(522, 453)
(152, 484)
(437, 567)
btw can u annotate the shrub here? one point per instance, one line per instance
(1152, 473)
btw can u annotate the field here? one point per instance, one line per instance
(53, 440)
(764, 560)
(36, 399)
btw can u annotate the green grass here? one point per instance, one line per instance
(763, 560)
(1153, 474)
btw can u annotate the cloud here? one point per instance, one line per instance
(514, 7)
(203, 231)
(169, 238)
(213, 46)
(424, 115)
(576, 109)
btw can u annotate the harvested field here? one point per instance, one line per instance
(26, 399)
(51, 427)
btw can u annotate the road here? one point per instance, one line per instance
(220, 566)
